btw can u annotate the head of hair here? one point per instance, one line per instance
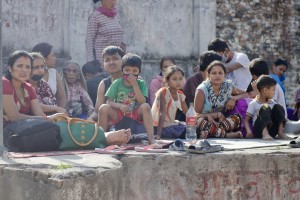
(165, 59)
(80, 75)
(131, 59)
(258, 67)
(208, 57)
(44, 48)
(112, 50)
(171, 70)
(281, 61)
(92, 67)
(37, 55)
(218, 45)
(215, 63)
(95, 1)
(13, 58)
(265, 81)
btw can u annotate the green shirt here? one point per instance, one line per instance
(122, 94)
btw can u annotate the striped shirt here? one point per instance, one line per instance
(102, 31)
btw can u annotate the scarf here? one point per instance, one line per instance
(219, 101)
(107, 12)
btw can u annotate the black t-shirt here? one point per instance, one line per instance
(92, 86)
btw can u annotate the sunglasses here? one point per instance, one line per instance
(74, 71)
(38, 67)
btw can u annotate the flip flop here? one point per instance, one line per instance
(150, 149)
(177, 145)
(203, 146)
(113, 149)
(295, 143)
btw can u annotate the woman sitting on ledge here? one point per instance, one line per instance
(213, 98)
(19, 97)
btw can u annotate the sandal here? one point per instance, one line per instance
(203, 146)
(150, 149)
(295, 143)
(177, 145)
(113, 149)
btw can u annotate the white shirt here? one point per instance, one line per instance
(279, 98)
(241, 77)
(52, 80)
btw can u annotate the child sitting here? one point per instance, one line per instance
(168, 99)
(268, 117)
(127, 97)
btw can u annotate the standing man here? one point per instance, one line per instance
(237, 64)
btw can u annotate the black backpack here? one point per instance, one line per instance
(31, 135)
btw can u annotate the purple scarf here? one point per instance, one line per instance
(107, 12)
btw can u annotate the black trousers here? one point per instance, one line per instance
(270, 118)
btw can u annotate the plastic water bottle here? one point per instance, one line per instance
(191, 124)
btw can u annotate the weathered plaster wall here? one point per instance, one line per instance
(153, 28)
(264, 28)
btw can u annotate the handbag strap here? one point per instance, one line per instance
(74, 140)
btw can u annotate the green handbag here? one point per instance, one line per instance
(79, 134)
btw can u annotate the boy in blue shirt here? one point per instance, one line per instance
(127, 96)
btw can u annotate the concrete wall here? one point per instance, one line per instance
(153, 28)
(254, 174)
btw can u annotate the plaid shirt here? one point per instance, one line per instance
(77, 93)
(102, 31)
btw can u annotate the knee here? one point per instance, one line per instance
(104, 108)
(278, 107)
(145, 107)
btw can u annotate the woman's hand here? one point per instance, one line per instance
(60, 110)
(230, 104)
(123, 47)
(220, 116)
(211, 120)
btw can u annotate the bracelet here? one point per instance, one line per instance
(232, 99)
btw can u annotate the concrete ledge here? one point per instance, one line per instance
(270, 173)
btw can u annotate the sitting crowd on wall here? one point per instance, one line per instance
(233, 97)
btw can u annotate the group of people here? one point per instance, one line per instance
(232, 97)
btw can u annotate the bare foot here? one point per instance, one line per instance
(249, 135)
(267, 137)
(282, 135)
(203, 134)
(237, 134)
(118, 137)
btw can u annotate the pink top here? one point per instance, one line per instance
(102, 31)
